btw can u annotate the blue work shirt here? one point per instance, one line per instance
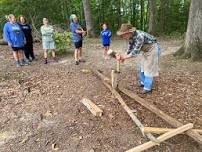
(106, 35)
(76, 37)
(14, 35)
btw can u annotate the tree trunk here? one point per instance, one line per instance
(193, 41)
(88, 18)
(142, 15)
(163, 15)
(152, 17)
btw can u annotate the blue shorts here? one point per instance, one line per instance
(106, 45)
(78, 44)
(48, 45)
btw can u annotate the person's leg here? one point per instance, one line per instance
(26, 51)
(80, 52)
(16, 57)
(22, 59)
(76, 55)
(45, 56)
(54, 55)
(31, 51)
(142, 78)
(148, 83)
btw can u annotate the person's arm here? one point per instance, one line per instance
(6, 35)
(109, 33)
(135, 51)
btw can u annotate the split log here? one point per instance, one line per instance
(126, 108)
(162, 138)
(163, 130)
(95, 110)
(172, 121)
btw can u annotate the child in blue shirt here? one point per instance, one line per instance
(15, 37)
(106, 35)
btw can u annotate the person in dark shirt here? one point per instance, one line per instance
(27, 30)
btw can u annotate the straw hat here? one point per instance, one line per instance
(126, 28)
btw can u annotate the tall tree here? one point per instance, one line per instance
(152, 17)
(193, 41)
(142, 15)
(88, 18)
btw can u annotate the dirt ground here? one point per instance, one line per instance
(41, 111)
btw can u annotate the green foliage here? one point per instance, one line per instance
(62, 40)
(172, 15)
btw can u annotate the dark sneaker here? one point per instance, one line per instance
(82, 60)
(146, 91)
(18, 64)
(77, 63)
(45, 61)
(24, 63)
(55, 59)
(140, 84)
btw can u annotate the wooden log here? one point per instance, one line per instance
(126, 108)
(95, 110)
(162, 138)
(114, 79)
(163, 130)
(172, 121)
(118, 66)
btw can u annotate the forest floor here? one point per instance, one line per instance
(41, 111)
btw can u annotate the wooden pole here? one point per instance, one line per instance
(118, 66)
(126, 108)
(163, 130)
(162, 138)
(172, 121)
(114, 79)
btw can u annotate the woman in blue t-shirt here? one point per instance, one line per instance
(27, 30)
(16, 40)
(106, 35)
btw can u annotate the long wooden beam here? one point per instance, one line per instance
(162, 138)
(172, 121)
(164, 130)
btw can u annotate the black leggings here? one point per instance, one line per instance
(28, 50)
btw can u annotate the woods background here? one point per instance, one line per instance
(168, 17)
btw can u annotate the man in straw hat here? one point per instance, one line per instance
(145, 45)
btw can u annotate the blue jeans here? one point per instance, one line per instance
(146, 81)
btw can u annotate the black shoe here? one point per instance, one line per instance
(77, 63)
(82, 60)
(45, 61)
(140, 85)
(146, 91)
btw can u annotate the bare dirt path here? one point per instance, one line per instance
(41, 111)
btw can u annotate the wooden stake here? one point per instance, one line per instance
(114, 80)
(172, 121)
(95, 110)
(162, 138)
(163, 130)
(118, 66)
